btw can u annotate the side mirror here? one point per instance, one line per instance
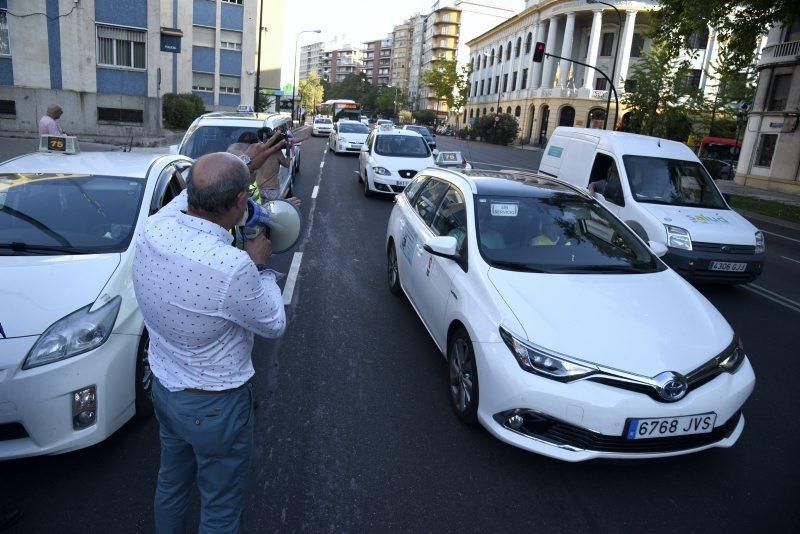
(658, 248)
(443, 246)
(173, 149)
(435, 152)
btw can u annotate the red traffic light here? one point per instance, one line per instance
(538, 53)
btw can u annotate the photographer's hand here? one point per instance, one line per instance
(259, 152)
(259, 249)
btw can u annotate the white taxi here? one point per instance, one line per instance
(348, 136)
(321, 126)
(73, 347)
(564, 333)
(390, 158)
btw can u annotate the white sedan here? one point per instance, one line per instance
(564, 333)
(73, 352)
(390, 158)
(347, 136)
(321, 126)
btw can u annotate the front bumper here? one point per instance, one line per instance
(36, 404)
(390, 185)
(584, 420)
(320, 131)
(695, 265)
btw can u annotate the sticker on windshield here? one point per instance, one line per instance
(504, 210)
(705, 219)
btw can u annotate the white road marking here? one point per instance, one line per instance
(782, 236)
(321, 164)
(790, 259)
(291, 279)
(774, 297)
(315, 192)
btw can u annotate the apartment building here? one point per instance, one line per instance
(340, 62)
(378, 61)
(108, 63)
(402, 39)
(310, 60)
(770, 155)
(554, 92)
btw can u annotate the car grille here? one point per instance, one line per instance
(407, 173)
(9, 431)
(723, 249)
(398, 188)
(560, 433)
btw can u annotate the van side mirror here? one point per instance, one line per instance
(658, 248)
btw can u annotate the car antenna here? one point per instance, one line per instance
(659, 142)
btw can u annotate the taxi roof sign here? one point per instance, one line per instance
(449, 158)
(65, 144)
(244, 109)
(386, 127)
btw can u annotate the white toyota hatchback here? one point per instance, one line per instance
(347, 136)
(563, 331)
(73, 350)
(390, 158)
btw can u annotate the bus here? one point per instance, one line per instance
(341, 109)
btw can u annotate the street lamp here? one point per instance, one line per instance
(294, 72)
(616, 55)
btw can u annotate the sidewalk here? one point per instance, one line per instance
(167, 138)
(730, 187)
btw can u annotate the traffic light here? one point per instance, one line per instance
(538, 53)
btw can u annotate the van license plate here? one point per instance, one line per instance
(728, 266)
(662, 427)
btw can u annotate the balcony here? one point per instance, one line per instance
(448, 44)
(780, 53)
(445, 29)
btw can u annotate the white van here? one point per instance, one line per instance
(661, 190)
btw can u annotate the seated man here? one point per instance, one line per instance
(549, 233)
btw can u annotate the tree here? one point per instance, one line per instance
(443, 79)
(263, 101)
(181, 109)
(462, 88)
(732, 88)
(311, 91)
(424, 116)
(737, 22)
(387, 101)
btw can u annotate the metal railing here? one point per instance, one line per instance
(781, 50)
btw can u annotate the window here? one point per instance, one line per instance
(412, 188)
(475, 89)
(508, 50)
(471, 114)
(600, 84)
(496, 84)
(524, 79)
(484, 112)
(446, 17)
(121, 47)
(607, 46)
(491, 58)
(428, 200)
(484, 62)
(514, 81)
(443, 42)
(766, 149)
(693, 78)
(203, 36)
(606, 179)
(451, 220)
(5, 44)
(482, 82)
(230, 40)
(517, 111)
(698, 40)
(508, 110)
(779, 92)
(120, 115)
(528, 43)
(518, 47)
(637, 45)
(239, 2)
(500, 55)
(8, 107)
(505, 82)
(229, 84)
(202, 82)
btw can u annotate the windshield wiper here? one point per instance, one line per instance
(607, 269)
(515, 266)
(25, 247)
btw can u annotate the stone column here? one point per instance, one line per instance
(594, 47)
(566, 50)
(549, 63)
(625, 53)
(536, 76)
(712, 37)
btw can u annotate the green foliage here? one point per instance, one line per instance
(179, 110)
(447, 83)
(405, 116)
(425, 117)
(498, 132)
(387, 100)
(311, 91)
(264, 102)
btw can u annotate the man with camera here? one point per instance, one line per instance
(202, 301)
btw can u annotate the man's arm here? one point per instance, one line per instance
(259, 152)
(254, 302)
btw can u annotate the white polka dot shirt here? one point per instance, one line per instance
(202, 300)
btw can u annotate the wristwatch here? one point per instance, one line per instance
(245, 158)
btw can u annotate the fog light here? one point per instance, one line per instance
(515, 421)
(84, 407)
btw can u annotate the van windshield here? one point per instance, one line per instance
(671, 181)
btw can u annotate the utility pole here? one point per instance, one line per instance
(258, 55)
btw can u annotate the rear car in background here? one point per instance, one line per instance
(321, 126)
(73, 354)
(424, 132)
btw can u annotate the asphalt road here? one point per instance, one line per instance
(354, 432)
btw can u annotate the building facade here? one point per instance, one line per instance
(341, 62)
(770, 155)
(556, 92)
(402, 39)
(108, 63)
(310, 60)
(378, 61)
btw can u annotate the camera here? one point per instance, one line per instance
(266, 132)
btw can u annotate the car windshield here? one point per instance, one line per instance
(402, 146)
(357, 128)
(557, 233)
(421, 130)
(208, 139)
(671, 181)
(67, 213)
(322, 121)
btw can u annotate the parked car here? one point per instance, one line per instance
(662, 191)
(347, 136)
(390, 158)
(215, 132)
(424, 132)
(73, 357)
(564, 333)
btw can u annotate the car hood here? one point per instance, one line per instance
(396, 164)
(707, 225)
(353, 137)
(640, 323)
(36, 291)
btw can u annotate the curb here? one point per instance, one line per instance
(767, 219)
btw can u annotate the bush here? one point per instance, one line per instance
(181, 109)
(425, 117)
(501, 133)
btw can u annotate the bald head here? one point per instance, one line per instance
(215, 181)
(54, 111)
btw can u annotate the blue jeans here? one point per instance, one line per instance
(209, 437)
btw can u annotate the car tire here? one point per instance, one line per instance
(367, 191)
(393, 275)
(462, 384)
(360, 177)
(143, 379)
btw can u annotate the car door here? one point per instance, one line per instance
(169, 185)
(405, 234)
(363, 156)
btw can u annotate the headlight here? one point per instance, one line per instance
(381, 171)
(678, 237)
(540, 362)
(731, 361)
(78, 332)
(760, 247)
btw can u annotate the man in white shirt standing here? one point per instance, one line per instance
(202, 301)
(48, 124)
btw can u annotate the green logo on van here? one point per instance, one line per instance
(555, 151)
